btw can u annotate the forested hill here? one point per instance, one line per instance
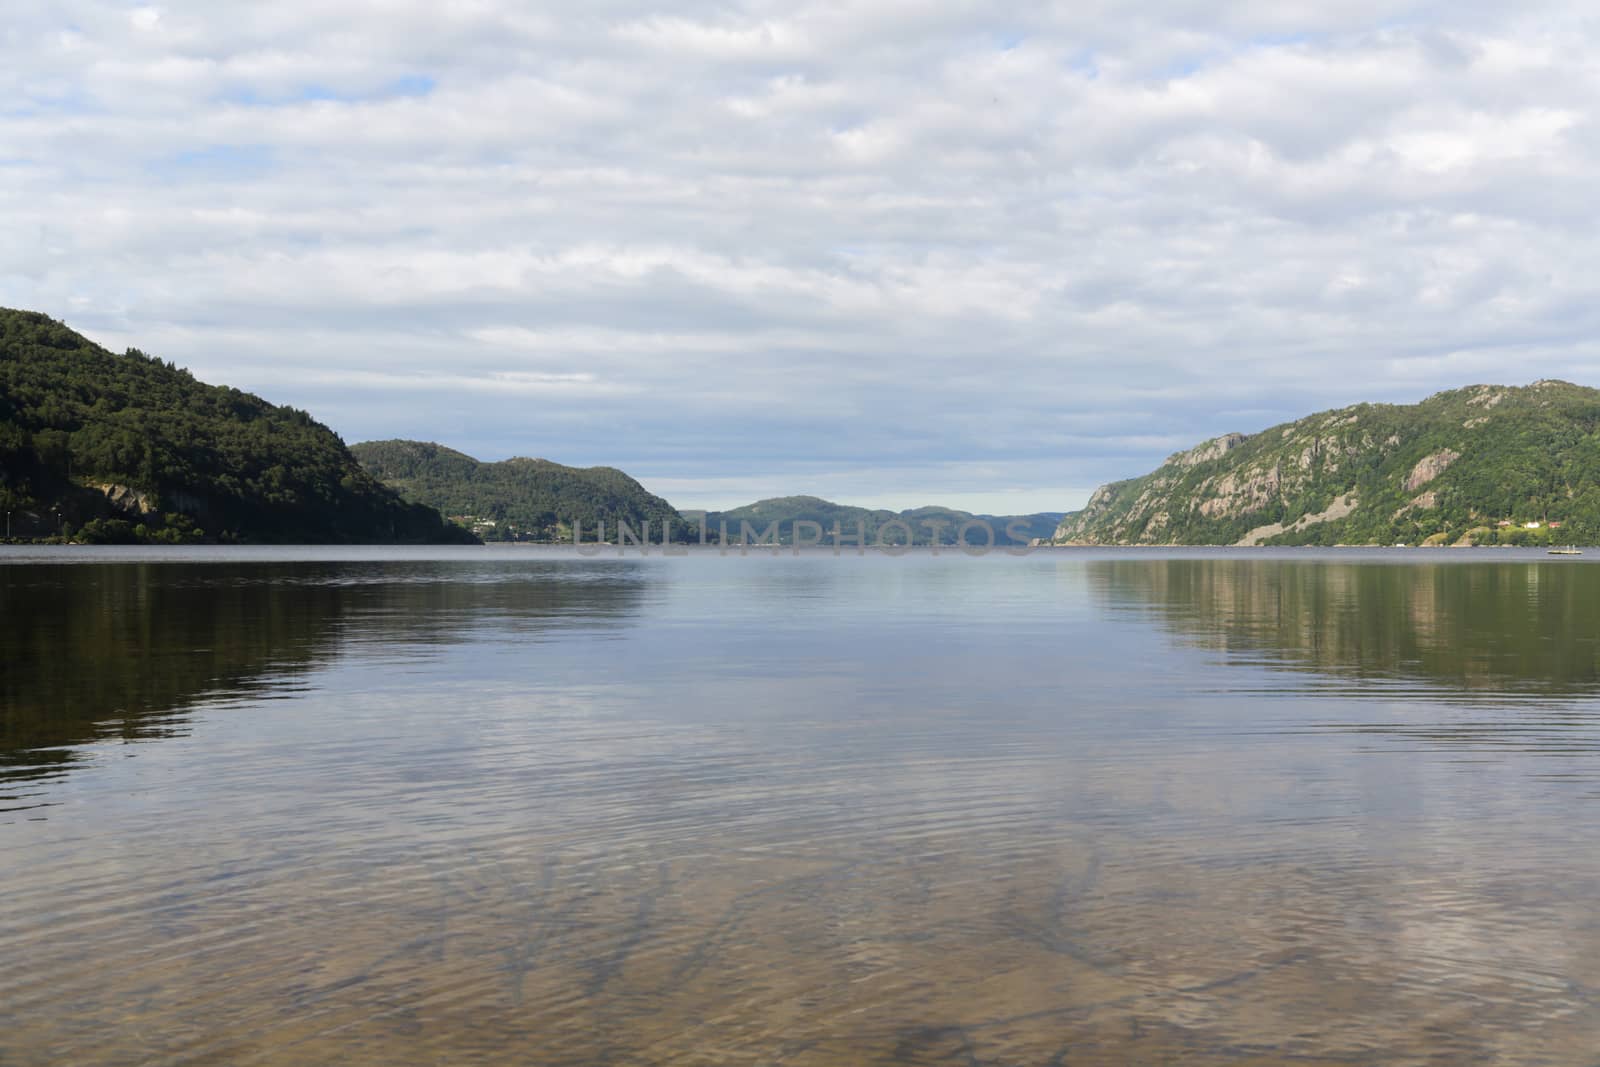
(788, 510)
(104, 447)
(516, 499)
(1487, 464)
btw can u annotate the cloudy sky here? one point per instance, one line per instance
(891, 252)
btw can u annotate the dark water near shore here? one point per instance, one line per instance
(512, 806)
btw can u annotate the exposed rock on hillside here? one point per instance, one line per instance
(1455, 466)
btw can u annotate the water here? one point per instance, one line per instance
(515, 806)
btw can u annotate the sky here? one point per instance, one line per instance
(890, 252)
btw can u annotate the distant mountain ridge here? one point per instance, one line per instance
(788, 510)
(515, 499)
(104, 447)
(1485, 464)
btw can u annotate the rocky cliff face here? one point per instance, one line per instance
(1451, 467)
(128, 500)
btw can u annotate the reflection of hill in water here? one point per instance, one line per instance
(124, 650)
(1464, 626)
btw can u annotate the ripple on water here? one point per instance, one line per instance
(1107, 812)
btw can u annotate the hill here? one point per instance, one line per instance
(788, 510)
(1479, 465)
(515, 499)
(106, 447)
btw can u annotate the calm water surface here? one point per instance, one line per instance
(517, 806)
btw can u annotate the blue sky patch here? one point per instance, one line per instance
(405, 86)
(226, 161)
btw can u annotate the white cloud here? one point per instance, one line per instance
(870, 248)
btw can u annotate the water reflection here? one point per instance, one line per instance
(1047, 811)
(125, 651)
(1471, 657)
(1472, 627)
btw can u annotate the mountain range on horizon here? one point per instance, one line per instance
(539, 500)
(99, 446)
(928, 525)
